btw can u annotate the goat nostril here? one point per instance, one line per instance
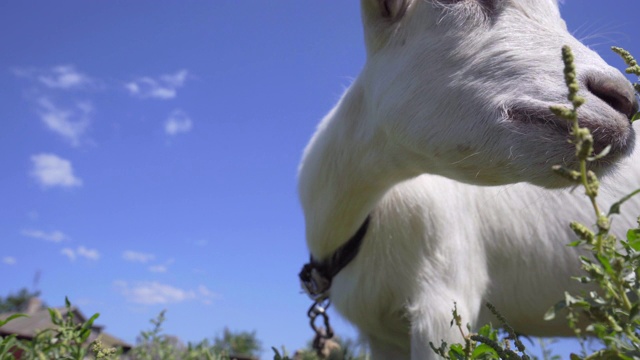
(616, 93)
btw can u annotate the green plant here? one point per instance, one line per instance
(238, 343)
(612, 311)
(66, 341)
(102, 352)
(17, 302)
(347, 349)
(9, 343)
(633, 68)
(485, 344)
(153, 345)
(614, 265)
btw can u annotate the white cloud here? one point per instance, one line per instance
(70, 123)
(61, 77)
(164, 87)
(158, 268)
(50, 170)
(64, 77)
(161, 268)
(81, 251)
(206, 295)
(152, 293)
(68, 252)
(177, 123)
(9, 260)
(135, 256)
(133, 88)
(89, 254)
(177, 79)
(204, 291)
(52, 236)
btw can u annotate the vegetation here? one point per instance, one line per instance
(612, 314)
(245, 343)
(69, 340)
(17, 302)
(346, 349)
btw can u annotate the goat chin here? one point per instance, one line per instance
(454, 97)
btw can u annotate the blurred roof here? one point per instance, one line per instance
(37, 320)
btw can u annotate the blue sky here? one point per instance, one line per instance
(149, 152)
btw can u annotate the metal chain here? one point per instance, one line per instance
(319, 308)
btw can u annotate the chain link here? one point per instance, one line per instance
(319, 309)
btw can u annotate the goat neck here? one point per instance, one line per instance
(346, 168)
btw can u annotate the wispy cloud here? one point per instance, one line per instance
(90, 254)
(135, 256)
(81, 251)
(65, 77)
(9, 260)
(52, 236)
(158, 268)
(70, 123)
(70, 253)
(62, 77)
(163, 87)
(50, 170)
(152, 293)
(178, 123)
(161, 268)
(206, 295)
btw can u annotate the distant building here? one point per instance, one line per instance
(38, 319)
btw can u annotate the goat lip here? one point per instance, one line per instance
(615, 132)
(538, 117)
(604, 133)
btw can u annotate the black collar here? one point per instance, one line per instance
(316, 276)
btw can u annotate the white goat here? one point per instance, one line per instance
(453, 98)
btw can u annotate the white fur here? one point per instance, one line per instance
(416, 142)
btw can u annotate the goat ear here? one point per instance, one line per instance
(391, 9)
(377, 17)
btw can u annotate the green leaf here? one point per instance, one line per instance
(583, 279)
(575, 243)
(456, 351)
(633, 237)
(571, 301)
(602, 154)
(56, 318)
(615, 208)
(635, 117)
(7, 343)
(482, 351)
(551, 313)
(635, 310)
(604, 261)
(14, 316)
(488, 332)
(89, 322)
(277, 355)
(85, 330)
